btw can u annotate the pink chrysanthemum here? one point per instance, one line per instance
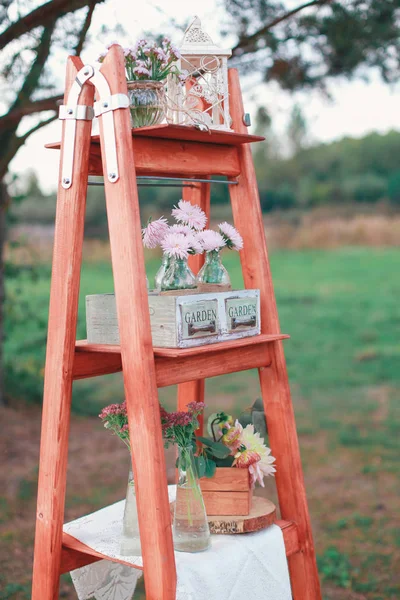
(155, 232)
(178, 228)
(196, 246)
(190, 214)
(176, 245)
(232, 237)
(211, 240)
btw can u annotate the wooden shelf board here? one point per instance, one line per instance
(175, 365)
(76, 555)
(185, 134)
(83, 346)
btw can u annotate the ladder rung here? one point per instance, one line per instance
(177, 365)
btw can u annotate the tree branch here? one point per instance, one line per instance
(85, 28)
(14, 116)
(24, 137)
(15, 142)
(243, 43)
(41, 16)
(32, 78)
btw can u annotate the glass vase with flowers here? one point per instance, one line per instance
(190, 528)
(115, 419)
(213, 276)
(147, 65)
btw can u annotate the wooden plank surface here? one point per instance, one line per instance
(263, 338)
(227, 479)
(172, 157)
(186, 133)
(178, 370)
(274, 382)
(64, 293)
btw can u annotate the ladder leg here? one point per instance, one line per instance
(194, 390)
(137, 351)
(67, 258)
(274, 381)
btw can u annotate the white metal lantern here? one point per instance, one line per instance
(203, 97)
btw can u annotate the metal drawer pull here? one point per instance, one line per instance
(235, 323)
(192, 329)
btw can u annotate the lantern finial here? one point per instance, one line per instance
(195, 35)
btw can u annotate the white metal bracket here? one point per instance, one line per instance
(111, 103)
(80, 112)
(104, 107)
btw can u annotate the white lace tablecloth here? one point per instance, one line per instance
(248, 566)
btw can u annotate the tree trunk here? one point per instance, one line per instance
(4, 201)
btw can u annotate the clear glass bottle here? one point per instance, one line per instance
(130, 541)
(178, 276)
(213, 272)
(147, 100)
(166, 261)
(190, 528)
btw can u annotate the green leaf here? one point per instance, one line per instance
(224, 462)
(218, 449)
(201, 465)
(211, 467)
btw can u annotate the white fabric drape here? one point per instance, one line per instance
(248, 566)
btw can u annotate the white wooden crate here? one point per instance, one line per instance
(181, 321)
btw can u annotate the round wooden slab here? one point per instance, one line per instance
(262, 515)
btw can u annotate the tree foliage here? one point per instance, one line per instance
(30, 34)
(304, 45)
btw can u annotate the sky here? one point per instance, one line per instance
(355, 108)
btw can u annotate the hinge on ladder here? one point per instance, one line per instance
(104, 107)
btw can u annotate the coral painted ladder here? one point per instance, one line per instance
(121, 154)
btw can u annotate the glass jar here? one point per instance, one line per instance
(213, 274)
(190, 528)
(147, 100)
(178, 276)
(130, 541)
(166, 261)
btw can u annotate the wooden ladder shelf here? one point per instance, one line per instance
(165, 150)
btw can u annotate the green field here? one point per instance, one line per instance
(342, 311)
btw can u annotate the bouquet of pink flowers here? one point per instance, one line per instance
(149, 60)
(188, 235)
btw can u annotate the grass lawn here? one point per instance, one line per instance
(342, 311)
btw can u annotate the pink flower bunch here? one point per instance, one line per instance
(113, 410)
(232, 237)
(211, 240)
(115, 418)
(154, 232)
(188, 235)
(176, 245)
(190, 214)
(148, 60)
(179, 427)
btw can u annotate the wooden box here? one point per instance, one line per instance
(228, 493)
(181, 321)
